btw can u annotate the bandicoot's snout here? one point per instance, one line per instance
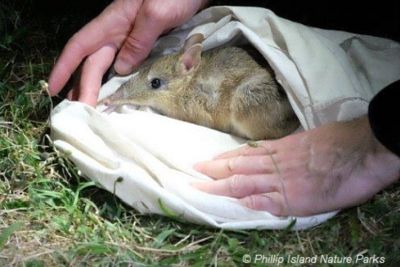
(106, 102)
(114, 98)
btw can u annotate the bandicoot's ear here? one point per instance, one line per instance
(196, 38)
(190, 58)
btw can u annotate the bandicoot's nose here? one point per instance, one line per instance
(114, 98)
(107, 102)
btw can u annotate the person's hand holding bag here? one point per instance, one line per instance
(126, 31)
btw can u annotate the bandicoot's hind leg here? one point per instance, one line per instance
(261, 110)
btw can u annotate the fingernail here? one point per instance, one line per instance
(198, 166)
(122, 67)
(199, 185)
(50, 87)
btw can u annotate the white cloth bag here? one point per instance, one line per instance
(328, 76)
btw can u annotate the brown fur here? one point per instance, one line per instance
(224, 88)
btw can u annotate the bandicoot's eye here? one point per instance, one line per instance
(155, 83)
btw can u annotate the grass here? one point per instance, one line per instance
(50, 216)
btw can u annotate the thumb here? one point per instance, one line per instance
(139, 42)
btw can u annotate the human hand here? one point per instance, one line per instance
(128, 26)
(332, 167)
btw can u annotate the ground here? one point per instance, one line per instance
(50, 216)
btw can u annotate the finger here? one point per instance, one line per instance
(239, 186)
(92, 73)
(222, 168)
(69, 95)
(78, 47)
(260, 148)
(272, 202)
(89, 39)
(73, 94)
(137, 46)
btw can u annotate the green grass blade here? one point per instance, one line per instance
(6, 233)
